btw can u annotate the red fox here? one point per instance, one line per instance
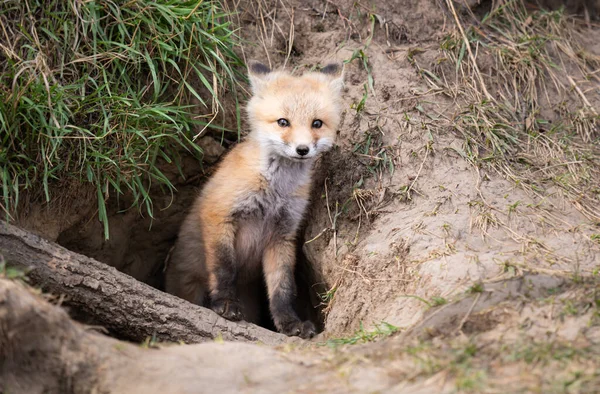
(245, 220)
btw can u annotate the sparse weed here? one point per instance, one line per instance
(470, 379)
(150, 342)
(360, 54)
(509, 268)
(382, 330)
(512, 208)
(476, 288)
(542, 352)
(327, 297)
(11, 273)
(446, 227)
(361, 104)
(570, 308)
(379, 156)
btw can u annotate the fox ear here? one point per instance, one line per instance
(335, 74)
(258, 74)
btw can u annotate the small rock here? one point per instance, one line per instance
(211, 148)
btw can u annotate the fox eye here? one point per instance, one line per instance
(317, 123)
(283, 122)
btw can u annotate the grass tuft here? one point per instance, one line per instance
(382, 330)
(525, 88)
(11, 273)
(99, 92)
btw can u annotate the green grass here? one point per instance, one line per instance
(11, 273)
(475, 288)
(360, 53)
(382, 330)
(379, 158)
(543, 352)
(438, 301)
(99, 92)
(472, 365)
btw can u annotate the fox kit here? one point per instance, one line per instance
(244, 222)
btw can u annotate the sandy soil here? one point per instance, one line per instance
(390, 235)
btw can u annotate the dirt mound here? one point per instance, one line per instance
(417, 207)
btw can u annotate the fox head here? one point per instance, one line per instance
(295, 117)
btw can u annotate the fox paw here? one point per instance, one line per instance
(229, 309)
(297, 328)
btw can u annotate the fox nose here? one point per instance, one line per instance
(302, 150)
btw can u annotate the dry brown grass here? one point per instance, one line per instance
(524, 85)
(273, 27)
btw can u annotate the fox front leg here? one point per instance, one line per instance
(223, 271)
(279, 262)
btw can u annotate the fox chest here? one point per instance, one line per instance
(265, 216)
(264, 219)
